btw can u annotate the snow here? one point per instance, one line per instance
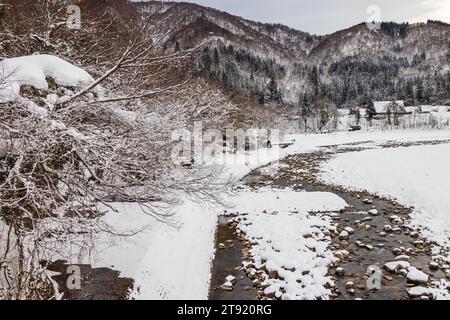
(276, 222)
(175, 263)
(438, 290)
(32, 107)
(437, 109)
(166, 262)
(416, 176)
(33, 70)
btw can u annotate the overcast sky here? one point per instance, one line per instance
(326, 16)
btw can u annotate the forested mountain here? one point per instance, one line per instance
(282, 65)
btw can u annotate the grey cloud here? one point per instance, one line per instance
(326, 16)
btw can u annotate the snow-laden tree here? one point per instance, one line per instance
(67, 150)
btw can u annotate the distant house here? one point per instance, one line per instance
(384, 107)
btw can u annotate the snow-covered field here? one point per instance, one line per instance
(167, 262)
(416, 176)
(175, 263)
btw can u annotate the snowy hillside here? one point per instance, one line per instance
(346, 66)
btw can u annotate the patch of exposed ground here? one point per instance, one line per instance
(95, 283)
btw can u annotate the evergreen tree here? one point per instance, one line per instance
(409, 93)
(216, 56)
(206, 63)
(419, 92)
(314, 78)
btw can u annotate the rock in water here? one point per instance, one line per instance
(434, 266)
(344, 235)
(227, 286)
(402, 258)
(416, 276)
(396, 265)
(349, 230)
(231, 279)
(417, 292)
(340, 272)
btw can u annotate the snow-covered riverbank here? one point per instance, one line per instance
(416, 176)
(175, 263)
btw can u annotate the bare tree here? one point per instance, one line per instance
(325, 114)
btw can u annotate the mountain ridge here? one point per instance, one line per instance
(253, 56)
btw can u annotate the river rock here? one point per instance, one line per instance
(403, 272)
(231, 279)
(340, 272)
(396, 265)
(343, 235)
(388, 278)
(360, 244)
(341, 254)
(227, 286)
(418, 243)
(349, 230)
(374, 212)
(403, 257)
(416, 276)
(415, 292)
(351, 291)
(414, 234)
(434, 266)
